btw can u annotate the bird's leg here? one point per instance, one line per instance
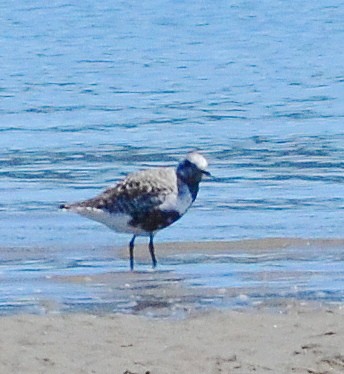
(131, 253)
(151, 250)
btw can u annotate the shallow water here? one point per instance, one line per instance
(184, 283)
(92, 91)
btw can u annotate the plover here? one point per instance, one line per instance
(146, 201)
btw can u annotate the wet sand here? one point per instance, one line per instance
(279, 336)
(168, 249)
(221, 247)
(305, 339)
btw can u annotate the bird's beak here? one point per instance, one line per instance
(206, 173)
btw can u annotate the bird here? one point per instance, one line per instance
(146, 201)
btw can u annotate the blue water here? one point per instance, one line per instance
(184, 283)
(90, 91)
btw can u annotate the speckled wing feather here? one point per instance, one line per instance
(138, 193)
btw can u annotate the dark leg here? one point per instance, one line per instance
(131, 253)
(151, 250)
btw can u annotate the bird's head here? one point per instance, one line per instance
(192, 168)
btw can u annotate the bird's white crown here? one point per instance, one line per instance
(198, 160)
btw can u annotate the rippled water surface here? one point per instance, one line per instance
(90, 91)
(183, 283)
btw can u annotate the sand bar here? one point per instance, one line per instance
(166, 249)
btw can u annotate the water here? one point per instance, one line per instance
(184, 283)
(90, 91)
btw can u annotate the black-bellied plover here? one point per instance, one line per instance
(146, 201)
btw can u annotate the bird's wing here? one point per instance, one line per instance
(139, 192)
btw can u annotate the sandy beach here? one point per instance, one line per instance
(305, 339)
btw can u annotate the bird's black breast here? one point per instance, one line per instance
(154, 220)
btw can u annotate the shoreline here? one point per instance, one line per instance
(191, 276)
(279, 335)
